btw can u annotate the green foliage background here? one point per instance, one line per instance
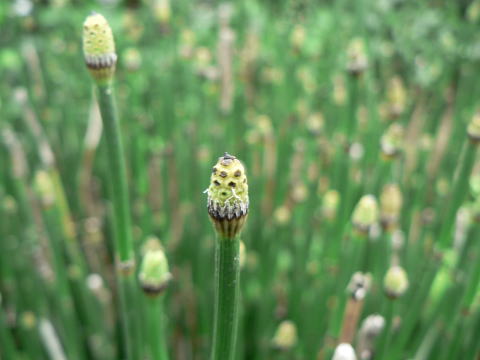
(298, 260)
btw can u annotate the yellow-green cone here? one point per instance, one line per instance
(395, 282)
(397, 97)
(392, 141)
(365, 214)
(357, 61)
(391, 201)
(228, 196)
(154, 275)
(286, 336)
(99, 48)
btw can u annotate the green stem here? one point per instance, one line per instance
(411, 319)
(63, 288)
(118, 174)
(474, 345)
(158, 346)
(385, 338)
(28, 282)
(227, 276)
(343, 169)
(460, 190)
(473, 284)
(352, 262)
(121, 219)
(6, 339)
(351, 124)
(428, 342)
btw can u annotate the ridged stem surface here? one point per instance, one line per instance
(158, 346)
(118, 174)
(459, 191)
(121, 220)
(227, 277)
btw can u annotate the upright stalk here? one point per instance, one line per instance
(460, 190)
(117, 174)
(154, 278)
(385, 338)
(227, 279)
(100, 58)
(461, 179)
(227, 207)
(121, 217)
(157, 329)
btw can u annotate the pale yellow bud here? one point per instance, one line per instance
(99, 48)
(365, 213)
(330, 202)
(154, 275)
(391, 201)
(357, 57)
(397, 97)
(298, 36)
(392, 140)
(395, 282)
(282, 215)
(162, 11)
(286, 335)
(45, 188)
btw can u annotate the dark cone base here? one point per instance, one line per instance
(154, 290)
(228, 228)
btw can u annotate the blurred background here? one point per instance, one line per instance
(323, 101)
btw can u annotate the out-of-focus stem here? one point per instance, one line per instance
(51, 340)
(157, 329)
(6, 339)
(385, 338)
(460, 183)
(350, 320)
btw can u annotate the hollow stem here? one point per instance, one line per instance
(227, 276)
(121, 219)
(386, 337)
(117, 173)
(460, 184)
(158, 346)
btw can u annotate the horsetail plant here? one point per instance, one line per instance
(228, 209)
(154, 278)
(391, 201)
(460, 181)
(365, 214)
(100, 58)
(357, 288)
(320, 120)
(395, 284)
